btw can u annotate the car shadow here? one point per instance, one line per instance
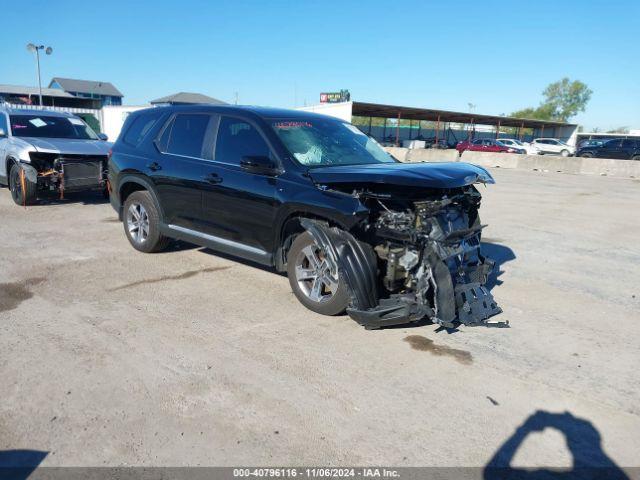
(19, 464)
(85, 198)
(583, 441)
(499, 254)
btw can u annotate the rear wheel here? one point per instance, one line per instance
(636, 157)
(142, 223)
(23, 191)
(311, 280)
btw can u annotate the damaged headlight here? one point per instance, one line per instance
(480, 177)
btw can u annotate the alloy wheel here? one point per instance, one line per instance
(313, 275)
(138, 223)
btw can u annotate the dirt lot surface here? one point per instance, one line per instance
(113, 357)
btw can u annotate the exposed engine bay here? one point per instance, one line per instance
(417, 255)
(66, 172)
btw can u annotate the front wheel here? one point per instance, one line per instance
(586, 155)
(564, 153)
(636, 157)
(23, 191)
(311, 279)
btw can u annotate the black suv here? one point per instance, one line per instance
(619, 148)
(313, 196)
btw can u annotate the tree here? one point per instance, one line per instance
(562, 100)
(566, 98)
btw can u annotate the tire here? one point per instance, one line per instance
(20, 197)
(334, 297)
(636, 158)
(141, 222)
(586, 155)
(565, 153)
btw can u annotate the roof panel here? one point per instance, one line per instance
(23, 90)
(411, 113)
(188, 98)
(87, 86)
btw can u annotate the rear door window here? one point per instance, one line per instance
(238, 139)
(186, 135)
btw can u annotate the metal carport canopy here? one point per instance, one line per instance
(362, 109)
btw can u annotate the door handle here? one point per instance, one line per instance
(154, 166)
(213, 178)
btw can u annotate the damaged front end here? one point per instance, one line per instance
(58, 172)
(416, 256)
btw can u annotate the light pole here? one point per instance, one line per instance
(36, 48)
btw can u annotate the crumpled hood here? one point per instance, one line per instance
(429, 175)
(69, 146)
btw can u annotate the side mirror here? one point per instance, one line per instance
(103, 137)
(2, 133)
(259, 164)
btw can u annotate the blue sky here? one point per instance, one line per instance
(496, 55)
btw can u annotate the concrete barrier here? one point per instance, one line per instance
(550, 163)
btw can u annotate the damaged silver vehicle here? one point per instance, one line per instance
(357, 231)
(49, 151)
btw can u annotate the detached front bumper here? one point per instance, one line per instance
(459, 294)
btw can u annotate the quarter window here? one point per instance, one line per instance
(139, 129)
(237, 139)
(185, 135)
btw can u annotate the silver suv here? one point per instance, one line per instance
(43, 150)
(552, 146)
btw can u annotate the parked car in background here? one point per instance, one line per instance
(552, 146)
(441, 143)
(486, 145)
(620, 148)
(513, 143)
(52, 151)
(589, 143)
(312, 196)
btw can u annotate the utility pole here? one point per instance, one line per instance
(36, 48)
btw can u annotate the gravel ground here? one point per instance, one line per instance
(113, 357)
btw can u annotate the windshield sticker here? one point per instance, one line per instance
(37, 122)
(312, 157)
(284, 125)
(76, 121)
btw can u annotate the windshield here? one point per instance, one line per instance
(319, 143)
(51, 127)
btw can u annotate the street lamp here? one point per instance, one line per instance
(36, 48)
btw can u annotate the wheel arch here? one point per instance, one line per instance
(10, 160)
(290, 227)
(134, 183)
